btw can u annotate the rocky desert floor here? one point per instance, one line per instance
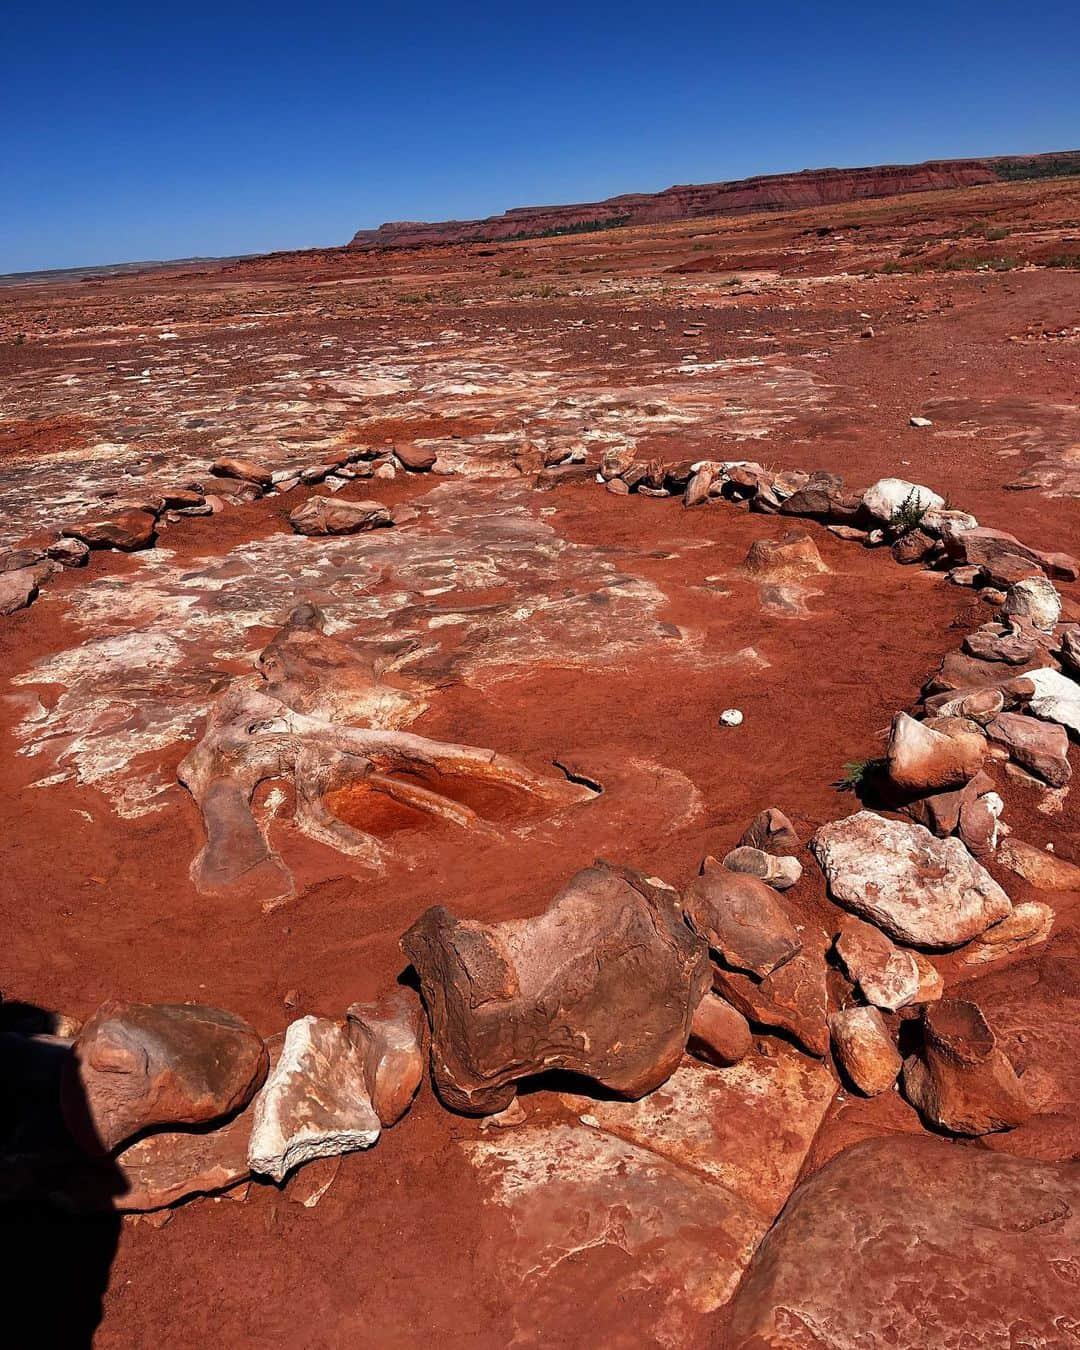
(507, 404)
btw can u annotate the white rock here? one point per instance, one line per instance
(731, 717)
(1056, 698)
(888, 495)
(1036, 599)
(315, 1102)
(920, 422)
(920, 890)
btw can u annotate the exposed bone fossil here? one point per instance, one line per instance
(286, 729)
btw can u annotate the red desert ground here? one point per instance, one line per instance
(537, 763)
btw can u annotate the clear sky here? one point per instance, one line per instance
(134, 131)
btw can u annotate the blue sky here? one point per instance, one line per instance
(136, 132)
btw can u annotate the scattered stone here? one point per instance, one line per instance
(246, 470)
(885, 975)
(771, 831)
(889, 496)
(922, 759)
(731, 717)
(779, 873)
(1038, 866)
(961, 1081)
(403, 514)
(719, 1033)
(1070, 651)
(513, 1115)
(315, 1102)
(967, 1250)
(740, 917)
(1036, 600)
(978, 824)
(416, 458)
(1056, 698)
(931, 981)
(1007, 569)
(18, 589)
(617, 487)
(1040, 747)
(921, 890)
(69, 552)
(1029, 924)
(920, 422)
(323, 515)
(981, 547)
(127, 531)
(964, 576)
(604, 983)
(792, 998)
(940, 811)
(914, 547)
(697, 490)
(136, 1066)
(849, 533)
(978, 705)
(1015, 644)
(792, 555)
(388, 1033)
(864, 1049)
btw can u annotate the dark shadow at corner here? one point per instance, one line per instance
(59, 1226)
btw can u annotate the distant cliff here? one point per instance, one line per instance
(773, 192)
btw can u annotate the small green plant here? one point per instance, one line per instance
(908, 515)
(855, 775)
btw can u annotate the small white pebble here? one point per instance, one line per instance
(590, 1120)
(731, 717)
(921, 422)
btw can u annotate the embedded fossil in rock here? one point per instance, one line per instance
(291, 732)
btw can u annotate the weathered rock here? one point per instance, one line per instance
(1036, 600)
(822, 497)
(1070, 651)
(1043, 869)
(1006, 569)
(885, 975)
(617, 487)
(771, 831)
(604, 983)
(982, 547)
(864, 1049)
(979, 705)
(1029, 924)
(18, 589)
(719, 1033)
(697, 490)
(69, 552)
(1017, 644)
(921, 759)
(779, 873)
(136, 1066)
(792, 555)
(914, 546)
(967, 1251)
(960, 1080)
(416, 458)
(388, 1033)
(1056, 698)
(888, 496)
(127, 531)
(1040, 747)
(940, 811)
(978, 824)
(792, 998)
(919, 889)
(740, 917)
(246, 470)
(325, 515)
(931, 982)
(314, 1103)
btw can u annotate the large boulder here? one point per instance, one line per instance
(888, 497)
(1040, 747)
(921, 759)
(389, 1035)
(604, 983)
(792, 998)
(967, 1249)
(315, 1102)
(1036, 600)
(327, 515)
(961, 1080)
(245, 470)
(886, 975)
(981, 547)
(136, 1066)
(791, 556)
(126, 531)
(416, 458)
(18, 588)
(740, 918)
(920, 890)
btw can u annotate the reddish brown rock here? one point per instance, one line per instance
(604, 983)
(792, 555)
(69, 552)
(246, 470)
(126, 531)
(1029, 924)
(1038, 866)
(779, 873)
(969, 1249)
(982, 547)
(996, 642)
(416, 458)
(931, 982)
(771, 831)
(885, 975)
(864, 1049)
(388, 1033)
(137, 1065)
(327, 515)
(960, 1080)
(697, 490)
(978, 824)
(1040, 747)
(913, 547)
(18, 588)
(740, 917)
(792, 998)
(921, 759)
(940, 811)
(719, 1033)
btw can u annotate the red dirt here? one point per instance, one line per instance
(98, 906)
